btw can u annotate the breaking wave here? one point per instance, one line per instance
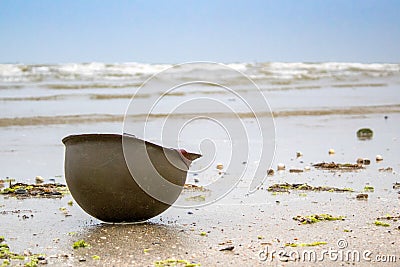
(274, 72)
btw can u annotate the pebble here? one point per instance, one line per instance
(196, 180)
(220, 166)
(360, 161)
(331, 151)
(281, 167)
(39, 179)
(299, 154)
(270, 172)
(379, 158)
(366, 161)
(228, 248)
(307, 168)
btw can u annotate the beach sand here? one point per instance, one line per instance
(260, 222)
(312, 114)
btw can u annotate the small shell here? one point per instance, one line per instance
(39, 179)
(281, 167)
(220, 166)
(307, 168)
(331, 151)
(379, 158)
(299, 154)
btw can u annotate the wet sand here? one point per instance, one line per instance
(253, 225)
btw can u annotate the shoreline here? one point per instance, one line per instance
(249, 225)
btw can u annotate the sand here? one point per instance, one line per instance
(252, 229)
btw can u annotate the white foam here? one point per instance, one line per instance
(140, 71)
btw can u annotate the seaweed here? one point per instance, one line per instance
(22, 190)
(32, 263)
(80, 244)
(365, 134)
(295, 170)
(338, 166)
(380, 223)
(7, 255)
(362, 196)
(193, 187)
(313, 244)
(389, 217)
(305, 187)
(369, 188)
(396, 185)
(317, 218)
(198, 198)
(174, 262)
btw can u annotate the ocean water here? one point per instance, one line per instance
(42, 103)
(43, 91)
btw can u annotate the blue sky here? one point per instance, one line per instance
(51, 31)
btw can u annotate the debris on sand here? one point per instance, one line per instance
(362, 196)
(193, 187)
(295, 170)
(389, 217)
(281, 167)
(313, 244)
(379, 223)
(7, 256)
(338, 166)
(80, 244)
(388, 169)
(396, 185)
(174, 262)
(365, 134)
(305, 187)
(369, 188)
(317, 218)
(39, 179)
(22, 190)
(197, 198)
(366, 161)
(228, 248)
